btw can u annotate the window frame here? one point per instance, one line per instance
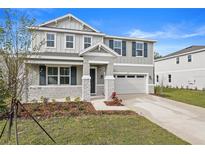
(190, 58)
(177, 60)
(115, 40)
(65, 75)
(137, 42)
(58, 76)
(73, 35)
(88, 36)
(53, 40)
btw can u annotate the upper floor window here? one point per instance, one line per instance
(189, 58)
(117, 46)
(177, 60)
(169, 78)
(70, 41)
(87, 41)
(50, 40)
(139, 48)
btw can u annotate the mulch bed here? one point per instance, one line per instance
(41, 110)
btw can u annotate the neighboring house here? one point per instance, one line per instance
(182, 69)
(78, 60)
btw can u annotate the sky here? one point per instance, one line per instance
(174, 29)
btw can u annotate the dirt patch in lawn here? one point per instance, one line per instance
(58, 109)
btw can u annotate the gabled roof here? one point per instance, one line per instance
(98, 46)
(190, 49)
(66, 16)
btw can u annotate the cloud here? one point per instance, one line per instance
(168, 32)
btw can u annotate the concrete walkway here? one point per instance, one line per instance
(99, 105)
(183, 120)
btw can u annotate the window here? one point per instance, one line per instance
(52, 75)
(139, 48)
(50, 40)
(87, 41)
(140, 76)
(170, 78)
(177, 60)
(130, 76)
(69, 41)
(117, 46)
(157, 78)
(121, 76)
(64, 75)
(189, 58)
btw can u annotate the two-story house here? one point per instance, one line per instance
(182, 69)
(78, 60)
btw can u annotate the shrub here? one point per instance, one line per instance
(157, 90)
(77, 99)
(67, 99)
(44, 100)
(113, 95)
(53, 100)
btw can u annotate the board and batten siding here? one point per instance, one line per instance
(134, 60)
(60, 42)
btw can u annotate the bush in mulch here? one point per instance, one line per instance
(115, 101)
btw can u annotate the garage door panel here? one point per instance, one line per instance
(130, 85)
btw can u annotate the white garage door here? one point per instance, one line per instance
(129, 84)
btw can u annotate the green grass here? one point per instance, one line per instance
(92, 129)
(193, 97)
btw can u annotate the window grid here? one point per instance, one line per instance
(50, 40)
(69, 41)
(87, 41)
(117, 46)
(139, 49)
(52, 75)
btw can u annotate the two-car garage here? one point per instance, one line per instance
(130, 83)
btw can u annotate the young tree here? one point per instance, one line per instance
(15, 48)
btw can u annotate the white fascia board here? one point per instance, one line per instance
(174, 56)
(130, 73)
(182, 70)
(65, 30)
(46, 62)
(129, 38)
(98, 62)
(128, 64)
(54, 57)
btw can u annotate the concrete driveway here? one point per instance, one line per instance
(183, 120)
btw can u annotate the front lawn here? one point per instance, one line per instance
(94, 129)
(193, 97)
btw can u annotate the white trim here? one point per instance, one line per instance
(53, 62)
(91, 43)
(98, 62)
(53, 86)
(65, 35)
(101, 45)
(130, 73)
(129, 64)
(99, 54)
(177, 55)
(86, 77)
(95, 68)
(53, 29)
(65, 16)
(55, 57)
(54, 40)
(109, 77)
(183, 70)
(100, 85)
(129, 38)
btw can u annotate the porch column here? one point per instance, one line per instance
(86, 81)
(109, 83)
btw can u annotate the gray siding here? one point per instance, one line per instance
(134, 60)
